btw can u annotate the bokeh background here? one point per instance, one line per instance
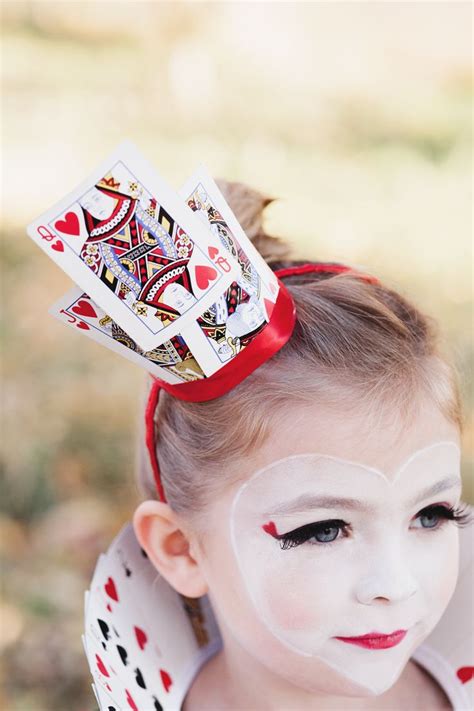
(355, 115)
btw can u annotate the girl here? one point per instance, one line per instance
(315, 502)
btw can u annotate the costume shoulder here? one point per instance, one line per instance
(448, 653)
(144, 641)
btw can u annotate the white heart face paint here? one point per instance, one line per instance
(377, 567)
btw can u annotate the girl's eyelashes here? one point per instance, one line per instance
(435, 515)
(327, 532)
(320, 533)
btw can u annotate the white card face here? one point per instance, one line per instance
(125, 237)
(201, 194)
(243, 310)
(172, 362)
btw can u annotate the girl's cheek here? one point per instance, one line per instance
(293, 604)
(448, 573)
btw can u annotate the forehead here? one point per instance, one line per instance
(429, 471)
(381, 439)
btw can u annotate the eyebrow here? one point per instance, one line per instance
(306, 502)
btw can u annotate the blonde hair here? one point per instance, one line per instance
(354, 342)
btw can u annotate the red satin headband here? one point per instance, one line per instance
(268, 342)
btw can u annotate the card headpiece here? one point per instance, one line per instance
(168, 280)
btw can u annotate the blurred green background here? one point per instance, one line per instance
(355, 115)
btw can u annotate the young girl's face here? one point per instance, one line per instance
(340, 532)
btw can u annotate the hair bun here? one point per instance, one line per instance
(248, 205)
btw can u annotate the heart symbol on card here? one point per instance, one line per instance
(465, 674)
(58, 246)
(101, 666)
(212, 252)
(142, 639)
(84, 308)
(82, 325)
(111, 590)
(204, 276)
(69, 225)
(166, 679)
(130, 700)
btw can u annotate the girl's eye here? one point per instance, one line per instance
(327, 532)
(436, 515)
(321, 533)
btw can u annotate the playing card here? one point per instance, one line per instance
(128, 241)
(201, 194)
(242, 311)
(172, 362)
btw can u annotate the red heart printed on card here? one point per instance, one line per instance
(84, 326)
(212, 252)
(101, 666)
(70, 224)
(58, 246)
(111, 590)
(84, 308)
(204, 276)
(166, 679)
(465, 674)
(131, 702)
(142, 639)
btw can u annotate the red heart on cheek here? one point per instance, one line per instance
(465, 674)
(270, 528)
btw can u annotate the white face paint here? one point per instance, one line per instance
(389, 570)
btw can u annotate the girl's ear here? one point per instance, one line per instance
(158, 531)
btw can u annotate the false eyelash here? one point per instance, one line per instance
(462, 515)
(304, 533)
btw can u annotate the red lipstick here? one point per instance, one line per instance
(376, 640)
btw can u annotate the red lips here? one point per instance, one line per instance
(376, 640)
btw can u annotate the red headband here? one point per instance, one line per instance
(268, 342)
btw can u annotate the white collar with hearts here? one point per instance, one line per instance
(145, 643)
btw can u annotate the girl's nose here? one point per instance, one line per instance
(389, 579)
